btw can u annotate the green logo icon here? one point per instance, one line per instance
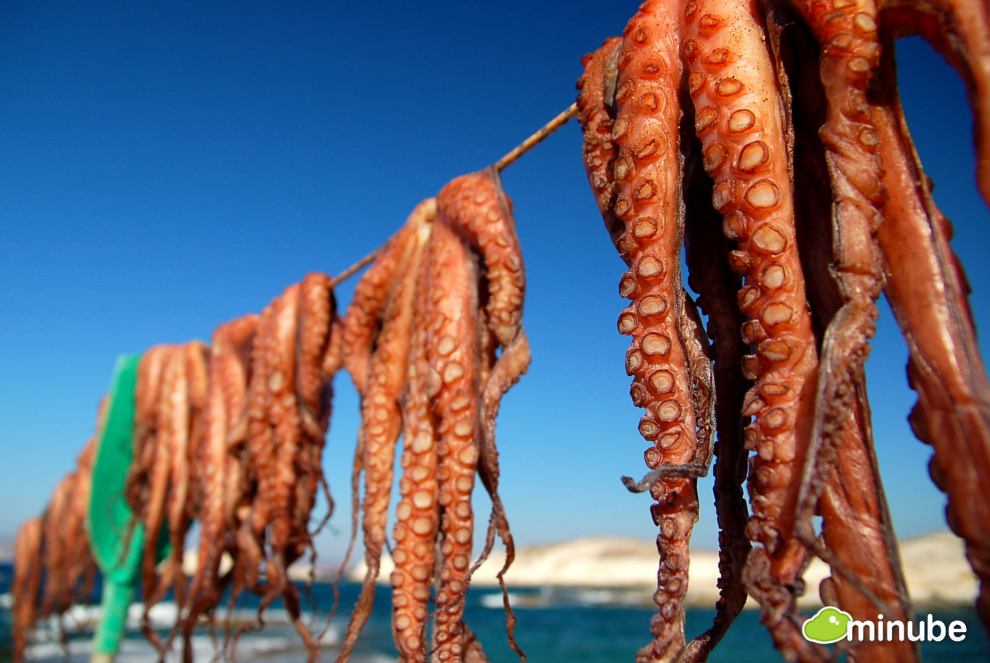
(827, 626)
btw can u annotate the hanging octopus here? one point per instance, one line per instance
(54, 567)
(781, 126)
(421, 341)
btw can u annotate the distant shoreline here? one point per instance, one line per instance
(935, 569)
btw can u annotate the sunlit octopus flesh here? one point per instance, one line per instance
(420, 340)
(768, 141)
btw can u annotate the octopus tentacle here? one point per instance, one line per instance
(317, 310)
(228, 378)
(647, 183)
(945, 366)
(850, 54)
(81, 566)
(183, 416)
(284, 420)
(452, 386)
(734, 87)
(381, 417)
(416, 521)
(857, 532)
(507, 370)
(597, 85)
(56, 593)
(257, 459)
(363, 319)
(707, 251)
(477, 209)
(27, 582)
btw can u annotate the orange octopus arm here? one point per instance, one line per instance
(647, 184)
(26, 584)
(453, 388)
(417, 515)
(477, 209)
(228, 374)
(381, 417)
(596, 84)
(927, 291)
(317, 310)
(363, 318)
(737, 117)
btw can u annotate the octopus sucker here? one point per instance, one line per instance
(945, 366)
(381, 416)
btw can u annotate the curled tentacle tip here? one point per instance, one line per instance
(632, 486)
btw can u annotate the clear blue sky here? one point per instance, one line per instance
(169, 166)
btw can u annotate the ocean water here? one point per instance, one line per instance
(577, 626)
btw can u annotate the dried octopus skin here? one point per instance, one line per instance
(257, 458)
(179, 416)
(56, 593)
(596, 84)
(80, 565)
(733, 84)
(417, 521)
(847, 32)
(707, 251)
(857, 531)
(927, 291)
(381, 418)
(363, 318)
(960, 31)
(228, 369)
(477, 209)
(317, 311)
(283, 417)
(452, 385)
(146, 393)
(26, 584)
(647, 183)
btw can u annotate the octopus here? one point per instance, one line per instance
(170, 396)
(54, 567)
(277, 412)
(767, 142)
(433, 339)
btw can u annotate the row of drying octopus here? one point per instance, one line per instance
(767, 139)
(700, 124)
(232, 435)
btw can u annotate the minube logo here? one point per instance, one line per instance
(831, 625)
(827, 626)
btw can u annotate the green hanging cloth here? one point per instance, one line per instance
(114, 535)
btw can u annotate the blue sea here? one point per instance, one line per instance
(575, 625)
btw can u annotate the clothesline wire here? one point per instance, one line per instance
(500, 165)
